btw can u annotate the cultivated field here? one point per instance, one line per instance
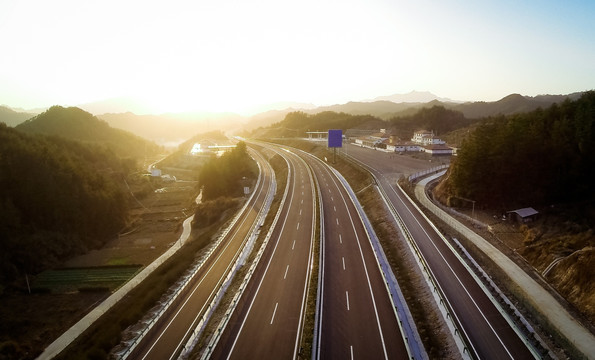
(100, 278)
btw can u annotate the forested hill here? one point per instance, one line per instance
(297, 123)
(58, 198)
(76, 124)
(539, 158)
(436, 118)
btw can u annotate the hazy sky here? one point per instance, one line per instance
(232, 54)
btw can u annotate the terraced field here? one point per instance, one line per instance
(88, 278)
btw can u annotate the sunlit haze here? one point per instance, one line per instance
(237, 55)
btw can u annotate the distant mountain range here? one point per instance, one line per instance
(13, 117)
(413, 97)
(175, 128)
(386, 109)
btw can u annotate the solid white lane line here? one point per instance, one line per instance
(366, 272)
(454, 274)
(347, 297)
(274, 311)
(244, 218)
(263, 276)
(351, 349)
(343, 262)
(286, 269)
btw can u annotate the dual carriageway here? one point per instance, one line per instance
(356, 317)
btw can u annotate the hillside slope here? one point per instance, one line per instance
(58, 198)
(173, 128)
(76, 124)
(13, 118)
(542, 159)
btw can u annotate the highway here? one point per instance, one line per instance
(490, 335)
(170, 333)
(268, 321)
(357, 319)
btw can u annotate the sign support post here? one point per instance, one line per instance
(335, 140)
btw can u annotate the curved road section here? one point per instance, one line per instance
(168, 336)
(487, 330)
(357, 319)
(268, 320)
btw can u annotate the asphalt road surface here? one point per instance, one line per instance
(268, 321)
(167, 338)
(489, 333)
(357, 319)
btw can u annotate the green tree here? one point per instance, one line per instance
(537, 158)
(222, 176)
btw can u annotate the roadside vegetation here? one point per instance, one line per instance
(222, 181)
(210, 216)
(542, 159)
(64, 195)
(209, 212)
(227, 175)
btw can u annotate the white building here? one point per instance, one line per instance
(438, 149)
(372, 140)
(424, 138)
(407, 147)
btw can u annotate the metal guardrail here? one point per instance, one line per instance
(465, 348)
(461, 339)
(413, 344)
(316, 336)
(253, 235)
(531, 341)
(427, 172)
(187, 279)
(234, 302)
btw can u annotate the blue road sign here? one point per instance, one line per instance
(335, 138)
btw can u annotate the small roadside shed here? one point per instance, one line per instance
(523, 215)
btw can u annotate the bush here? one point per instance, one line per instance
(209, 212)
(223, 176)
(10, 350)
